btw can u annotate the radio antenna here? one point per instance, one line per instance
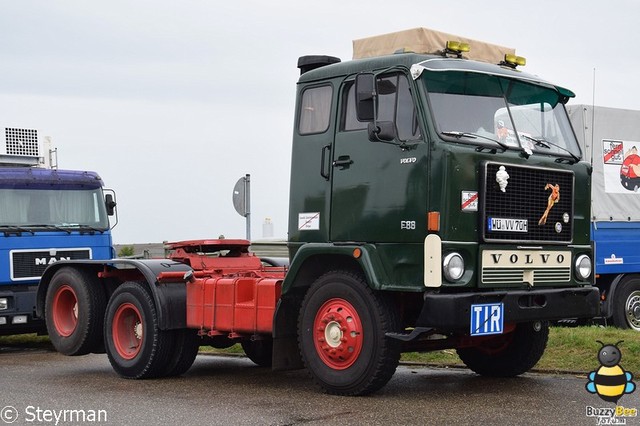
(593, 114)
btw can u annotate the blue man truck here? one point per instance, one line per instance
(610, 139)
(46, 215)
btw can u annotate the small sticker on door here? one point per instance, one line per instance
(309, 221)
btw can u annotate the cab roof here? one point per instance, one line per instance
(429, 62)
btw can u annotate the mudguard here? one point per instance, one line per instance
(367, 259)
(170, 297)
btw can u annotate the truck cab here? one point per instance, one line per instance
(452, 189)
(46, 215)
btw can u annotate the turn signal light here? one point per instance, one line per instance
(433, 221)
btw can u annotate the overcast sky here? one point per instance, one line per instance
(173, 101)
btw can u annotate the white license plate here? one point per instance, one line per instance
(498, 224)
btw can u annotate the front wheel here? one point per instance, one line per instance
(136, 347)
(342, 330)
(626, 304)
(508, 355)
(74, 310)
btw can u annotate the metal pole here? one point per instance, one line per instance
(247, 194)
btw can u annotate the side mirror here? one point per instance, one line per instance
(110, 204)
(365, 96)
(382, 131)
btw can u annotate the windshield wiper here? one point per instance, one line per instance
(50, 227)
(11, 229)
(468, 135)
(548, 144)
(84, 228)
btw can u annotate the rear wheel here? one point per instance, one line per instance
(626, 304)
(341, 331)
(74, 311)
(509, 355)
(259, 351)
(136, 347)
(185, 350)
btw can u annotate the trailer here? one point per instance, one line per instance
(423, 215)
(610, 137)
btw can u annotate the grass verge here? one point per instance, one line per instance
(572, 349)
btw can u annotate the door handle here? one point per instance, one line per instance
(325, 150)
(343, 161)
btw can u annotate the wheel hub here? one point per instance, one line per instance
(137, 330)
(338, 334)
(632, 310)
(127, 331)
(65, 311)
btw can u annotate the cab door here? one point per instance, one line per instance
(379, 190)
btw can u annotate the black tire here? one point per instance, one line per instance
(509, 355)
(184, 353)
(355, 357)
(74, 310)
(259, 351)
(136, 347)
(626, 304)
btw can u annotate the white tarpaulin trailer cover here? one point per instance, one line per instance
(610, 139)
(424, 40)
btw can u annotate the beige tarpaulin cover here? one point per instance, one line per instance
(424, 40)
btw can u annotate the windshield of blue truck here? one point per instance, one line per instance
(42, 209)
(486, 109)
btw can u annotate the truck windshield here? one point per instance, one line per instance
(45, 209)
(486, 109)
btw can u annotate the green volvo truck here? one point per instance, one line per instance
(441, 201)
(438, 200)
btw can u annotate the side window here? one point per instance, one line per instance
(315, 110)
(349, 117)
(406, 113)
(394, 104)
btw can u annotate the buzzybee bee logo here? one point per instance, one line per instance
(610, 381)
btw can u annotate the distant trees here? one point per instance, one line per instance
(126, 251)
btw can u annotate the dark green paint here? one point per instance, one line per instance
(363, 204)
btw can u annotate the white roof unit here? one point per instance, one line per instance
(24, 147)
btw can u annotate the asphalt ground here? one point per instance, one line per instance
(41, 387)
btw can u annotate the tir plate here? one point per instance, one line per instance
(487, 318)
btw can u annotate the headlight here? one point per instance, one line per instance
(453, 267)
(583, 267)
(4, 303)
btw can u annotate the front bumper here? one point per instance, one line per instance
(453, 311)
(21, 304)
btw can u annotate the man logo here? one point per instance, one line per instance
(44, 261)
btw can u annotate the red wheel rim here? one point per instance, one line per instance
(127, 329)
(65, 311)
(338, 334)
